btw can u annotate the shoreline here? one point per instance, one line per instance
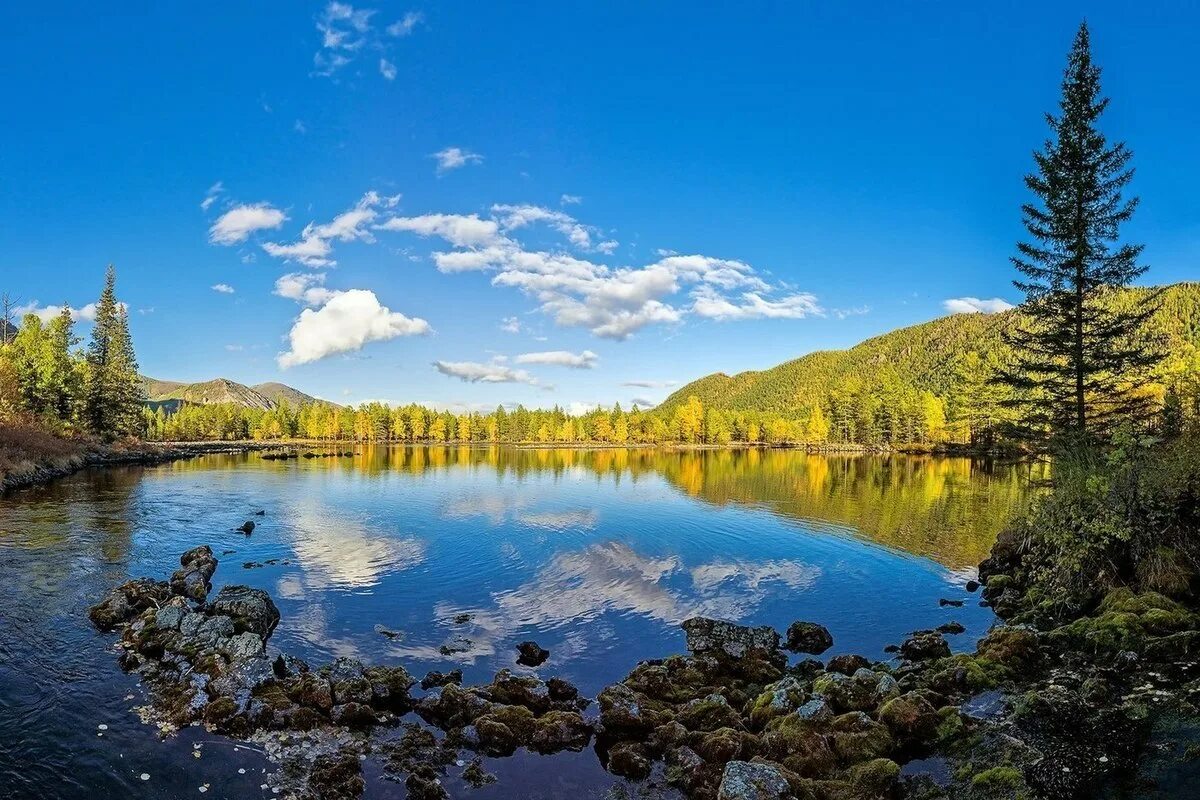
(32, 473)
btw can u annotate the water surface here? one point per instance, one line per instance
(595, 554)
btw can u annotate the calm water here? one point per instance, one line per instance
(597, 555)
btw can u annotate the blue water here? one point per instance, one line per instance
(596, 559)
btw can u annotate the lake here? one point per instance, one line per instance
(598, 555)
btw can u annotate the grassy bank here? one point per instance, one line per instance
(30, 455)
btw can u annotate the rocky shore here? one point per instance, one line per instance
(35, 472)
(1041, 709)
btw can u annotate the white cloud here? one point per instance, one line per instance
(405, 25)
(234, 348)
(211, 195)
(570, 200)
(347, 322)
(347, 32)
(236, 224)
(512, 217)
(223, 288)
(510, 325)
(560, 358)
(475, 372)
(314, 248)
(304, 287)
(650, 384)
(454, 158)
(973, 305)
(460, 230)
(48, 314)
(712, 305)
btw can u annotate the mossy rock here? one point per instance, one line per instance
(799, 746)
(1016, 648)
(910, 718)
(1001, 783)
(857, 738)
(874, 777)
(709, 714)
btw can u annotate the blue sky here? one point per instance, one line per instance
(464, 203)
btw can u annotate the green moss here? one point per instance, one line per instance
(1000, 782)
(876, 776)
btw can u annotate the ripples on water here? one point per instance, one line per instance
(598, 555)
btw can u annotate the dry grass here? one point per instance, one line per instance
(26, 448)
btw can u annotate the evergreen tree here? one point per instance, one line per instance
(1077, 354)
(114, 391)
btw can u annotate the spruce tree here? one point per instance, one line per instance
(1078, 353)
(114, 391)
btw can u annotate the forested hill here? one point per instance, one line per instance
(264, 396)
(923, 358)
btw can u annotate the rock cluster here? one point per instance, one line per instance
(1039, 710)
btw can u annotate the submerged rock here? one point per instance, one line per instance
(531, 654)
(434, 679)
(246, 527)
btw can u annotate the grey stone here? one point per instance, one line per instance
(744, 780)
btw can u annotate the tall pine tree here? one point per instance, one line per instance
(114, 391)
(1079, 352)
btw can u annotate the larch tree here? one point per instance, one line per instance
(1078, 353)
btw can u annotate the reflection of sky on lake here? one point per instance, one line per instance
(596, 555)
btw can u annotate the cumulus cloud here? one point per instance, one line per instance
(974, 305)
(304, 287)
(475, 372)
(345, 323)
(314, 248)
(46, 314)
(460, 230)
(451, 158)
(708, 303)
(223, 288)
(238, 223)
(560, 358)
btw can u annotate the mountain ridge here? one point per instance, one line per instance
(921, 357)
(266, 396)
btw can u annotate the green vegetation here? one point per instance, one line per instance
(46, 384)
(935, 382)
(1078, 357)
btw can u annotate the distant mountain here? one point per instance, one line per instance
(223, 390)
(280, 392)
(919, 358)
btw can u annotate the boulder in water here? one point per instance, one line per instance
(808, 637)
(531, 654)
(251, 609)
(196, 568)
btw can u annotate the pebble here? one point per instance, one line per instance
(203, 789)
(102, 727)
(145, 776)
(1103, 759)
(241, 771)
